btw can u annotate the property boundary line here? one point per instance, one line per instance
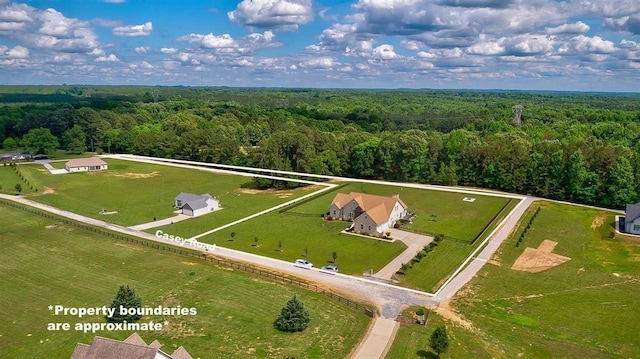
(201, 256)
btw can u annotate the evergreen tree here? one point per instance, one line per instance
(439, 341)
(127, 298)
(293, 317)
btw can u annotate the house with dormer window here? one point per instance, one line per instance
(370, 214)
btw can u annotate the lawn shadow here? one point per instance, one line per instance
(425, 354)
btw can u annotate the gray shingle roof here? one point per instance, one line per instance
(632, 212)
(193, 201)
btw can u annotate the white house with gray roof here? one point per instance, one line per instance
(196, 205)
(632, 219)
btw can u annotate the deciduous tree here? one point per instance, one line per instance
(439, 340)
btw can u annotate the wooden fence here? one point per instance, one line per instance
(193, 254)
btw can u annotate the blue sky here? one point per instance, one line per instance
(576, 45)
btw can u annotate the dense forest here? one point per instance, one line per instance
(581, 147)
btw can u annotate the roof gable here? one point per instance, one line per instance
(632, 212)
(379, 208)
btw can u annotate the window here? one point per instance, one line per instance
(179, 203)
(334, 212)
(365, 217)
(350, 214)
(369, 227)
(636, 227)
(362, 226)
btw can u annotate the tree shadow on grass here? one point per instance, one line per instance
(426, 354)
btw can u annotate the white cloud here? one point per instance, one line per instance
(384, 52)
(110, 58)
(18, 52)
(142, 49)
(320, 62)
(168, 50)
(630, 24)
(210, 41)
(272, 14)
(581, 44)
(134, 30)
(575, 28)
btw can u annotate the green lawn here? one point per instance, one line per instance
(433, 270)
(139, 192)
(42, 264)
(321, 238)
(586, 307)
(8, 180)
(436, 211)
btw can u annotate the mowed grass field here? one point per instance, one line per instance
(139, 192)
(588, 307)
(436, 211)
(8, 180)
(44, 264)
(320, 238)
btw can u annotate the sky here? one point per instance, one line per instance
(572, 45)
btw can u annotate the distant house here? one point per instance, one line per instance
(632, 219)
(133, 347)
(370, 213)
(196, 205)
(85, 165)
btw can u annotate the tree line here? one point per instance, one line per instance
(577, 147)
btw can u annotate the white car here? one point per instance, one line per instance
(329, 269)
(303, 263)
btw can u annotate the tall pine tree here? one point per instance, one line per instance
(127, 298)
(293, 316)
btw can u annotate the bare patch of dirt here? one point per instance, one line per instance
(131, 175)
(494, 262)
(448, 313)
(534, 260)
(598, 220)
(278, 193)
(252, 191)
(52, 225)
(189, 263)
(108, 212)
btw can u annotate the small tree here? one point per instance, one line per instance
(293, 316)
(334, 256)
(233, 235)
(255, 241)
(126, 298)
(439, 341)
(279, 245)
(18, 187)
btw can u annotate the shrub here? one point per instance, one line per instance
(420, 311)
(293, 316)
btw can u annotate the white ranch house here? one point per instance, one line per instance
(371, 214)
(196, 205)
(86, 165)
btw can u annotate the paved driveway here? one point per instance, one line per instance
(415, 242)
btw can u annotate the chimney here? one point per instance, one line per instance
(395, 195)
